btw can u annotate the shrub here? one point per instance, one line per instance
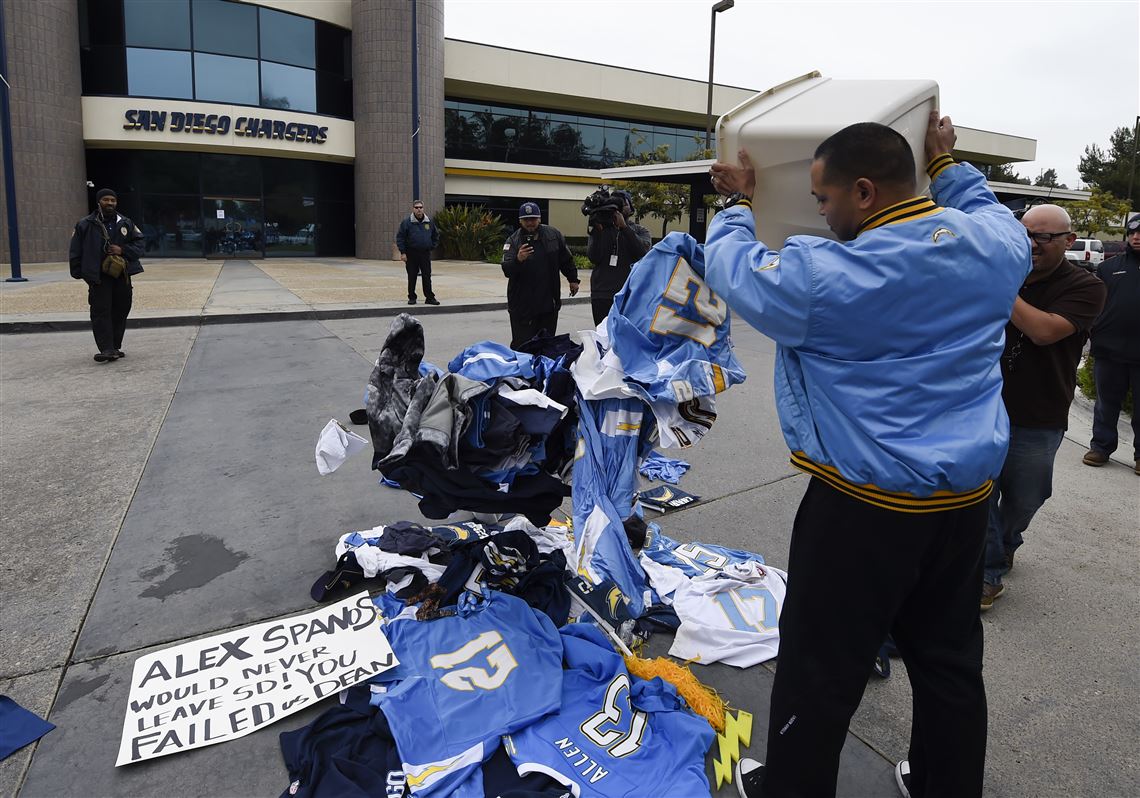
(582, 263)
(469, 232)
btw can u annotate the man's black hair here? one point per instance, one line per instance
(870, 150)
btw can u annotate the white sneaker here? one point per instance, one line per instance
(749, 777)
(902, 777)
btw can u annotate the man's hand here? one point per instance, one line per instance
(115, 249)
(525, 251)
(940, 136)
(404, 256)
(574, 288)
(728, 179)
(619, 220)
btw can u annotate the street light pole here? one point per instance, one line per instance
(9, 161)
(723, 5)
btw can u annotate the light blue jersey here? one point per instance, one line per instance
(616, 736)
(670, 563)
(612, 435)
(489, 669)
(670, 331)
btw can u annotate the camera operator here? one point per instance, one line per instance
(614, 245)
(532, 258)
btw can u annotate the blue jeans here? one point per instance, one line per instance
(1026, 481)
(1112, 381)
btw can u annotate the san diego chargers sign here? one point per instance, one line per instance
(222, 125)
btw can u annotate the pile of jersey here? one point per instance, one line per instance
(491, 697)
(492, 434)
(508, 432)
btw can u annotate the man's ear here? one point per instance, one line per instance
(865, 193)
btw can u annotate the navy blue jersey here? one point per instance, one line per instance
(616, 736)
(490, 668)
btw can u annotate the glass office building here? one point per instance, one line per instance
(265, 128)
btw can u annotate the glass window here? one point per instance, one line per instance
(157, 24)
(288, 87)
(163, 172)
(334, 49)
(288, 177)
(225, 79)
(104, 70)
(100, 23)
(230, 176)
(171, 226)
(288, 38)
(159, 73)
(290, 226)
(334, 94)
(222, 27)
(335, 231)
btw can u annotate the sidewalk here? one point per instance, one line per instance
(174, 292)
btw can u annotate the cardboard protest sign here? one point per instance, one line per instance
(226, 686)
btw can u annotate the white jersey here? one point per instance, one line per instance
(731, 615)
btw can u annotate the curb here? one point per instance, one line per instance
(309, 314)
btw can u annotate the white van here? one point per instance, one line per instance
(1088, 252)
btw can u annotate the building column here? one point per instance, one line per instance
(382, 114)
(47, 127)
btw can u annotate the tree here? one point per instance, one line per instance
(1100, 213)
(1110, 171)
(1002, 173)
(1048, 179)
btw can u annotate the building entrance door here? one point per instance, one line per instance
(232, 227)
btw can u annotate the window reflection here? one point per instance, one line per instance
(288, 38)
(223, 27)
(159, 73)
(152, 24)
(480, 131)
(225, 79)
(288, 87)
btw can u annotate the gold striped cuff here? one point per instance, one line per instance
(939, 164)
(937, 502)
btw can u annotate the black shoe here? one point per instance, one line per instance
(105, 356)
(749, 778)
(412, 301)
(432, 301)
(902, 778)
(119, 353)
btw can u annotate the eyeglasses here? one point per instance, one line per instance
(1047, 238)
(417, 207)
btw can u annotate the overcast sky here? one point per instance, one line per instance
(1063, 73)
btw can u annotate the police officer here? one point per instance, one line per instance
(415, 239)
(613, 249)
(532, 258)
(104, 252)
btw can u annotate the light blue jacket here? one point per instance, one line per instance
(887, 377)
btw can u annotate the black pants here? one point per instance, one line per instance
(1112, 382)
(419, 263)
(600, 304)
(855, 573)
(523, 329)
(110, 303)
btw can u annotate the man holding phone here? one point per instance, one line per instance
(532, 258)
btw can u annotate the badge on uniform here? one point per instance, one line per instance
(123, 230)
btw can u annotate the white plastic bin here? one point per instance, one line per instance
(781, 127)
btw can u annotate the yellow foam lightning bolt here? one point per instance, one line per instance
(736, 730)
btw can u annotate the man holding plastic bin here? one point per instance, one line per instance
(888, 388)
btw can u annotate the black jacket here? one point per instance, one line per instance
(88, 246)
(532, 285)
(417, 234)
(630, 243)
(1116, 333)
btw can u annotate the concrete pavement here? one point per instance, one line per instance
(173, 494)
(194, 291)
